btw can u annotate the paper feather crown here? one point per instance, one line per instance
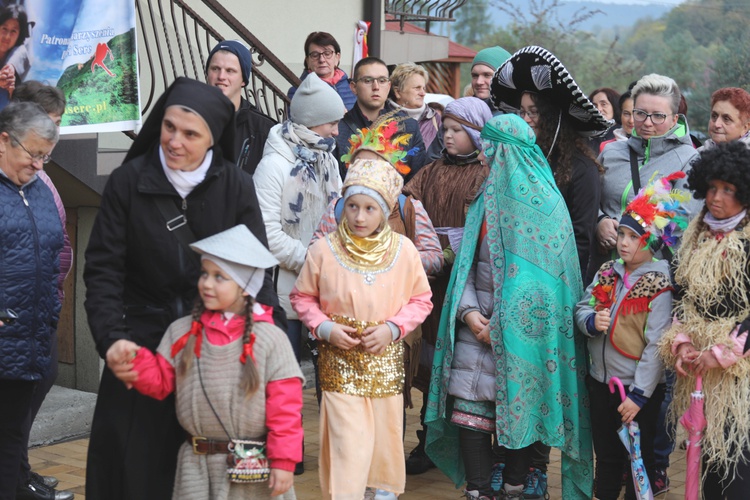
(382, 138)
(657, 213)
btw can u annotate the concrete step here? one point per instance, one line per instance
(65, 414)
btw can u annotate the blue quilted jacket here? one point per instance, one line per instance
(31, 239)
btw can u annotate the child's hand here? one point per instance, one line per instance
(280, 481)
(340, 337)
(686, 351)
(120, 357)
(628, 410)
(602, 320)
(484, 335)
(476, 322)
(376, 338)
(699, 362)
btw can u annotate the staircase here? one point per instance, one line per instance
(174, 38)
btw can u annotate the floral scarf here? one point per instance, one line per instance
(313, 182)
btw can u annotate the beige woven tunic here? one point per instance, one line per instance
(204, 477)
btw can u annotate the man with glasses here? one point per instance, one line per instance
(371, 85)
(322, 57)
(228, 68)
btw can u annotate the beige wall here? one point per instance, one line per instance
(283, 25)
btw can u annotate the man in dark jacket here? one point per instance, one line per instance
(228, 68)
(371, 85)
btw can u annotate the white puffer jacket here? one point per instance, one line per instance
(270, 178)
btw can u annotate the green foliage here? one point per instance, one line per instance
(702, 44)
(472, 22)
(97, 97)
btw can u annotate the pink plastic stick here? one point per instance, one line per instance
(699, 384)
(616, 381)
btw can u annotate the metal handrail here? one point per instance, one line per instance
(174, 40)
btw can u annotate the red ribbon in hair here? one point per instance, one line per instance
(195, 330)
(247, 350)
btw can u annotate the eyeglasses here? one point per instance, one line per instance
(656, 118)
(530, 114)
(368, 80)
(327, 54)
(45, 158)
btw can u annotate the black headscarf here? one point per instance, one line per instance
(208, 102)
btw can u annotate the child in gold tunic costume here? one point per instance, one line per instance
(361, 290)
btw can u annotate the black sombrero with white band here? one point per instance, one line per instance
(535, 69)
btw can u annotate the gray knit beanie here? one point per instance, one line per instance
(315, 103)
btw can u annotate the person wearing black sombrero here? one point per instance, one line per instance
(178, 184)
(535, 84)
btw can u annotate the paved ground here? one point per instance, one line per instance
(67, 462)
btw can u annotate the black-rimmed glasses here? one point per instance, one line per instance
(656, 118)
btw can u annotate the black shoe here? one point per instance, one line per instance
(418, 462)
(299, 469)
(35, 491)
(48, 481)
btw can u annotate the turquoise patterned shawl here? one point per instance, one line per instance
(539, 355)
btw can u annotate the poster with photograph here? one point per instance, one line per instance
(87, 48)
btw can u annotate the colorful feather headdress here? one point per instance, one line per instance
(382, 138)
(657, 213)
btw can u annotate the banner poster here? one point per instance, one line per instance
(87, 48)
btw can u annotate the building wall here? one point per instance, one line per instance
(283, 25)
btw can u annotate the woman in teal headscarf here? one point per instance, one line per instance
(507, 323)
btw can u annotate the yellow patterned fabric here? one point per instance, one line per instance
(373, 253)
(358, 373)
(378, 175)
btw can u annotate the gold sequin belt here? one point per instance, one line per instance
(357, 372)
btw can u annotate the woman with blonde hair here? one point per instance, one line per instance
(408, 88)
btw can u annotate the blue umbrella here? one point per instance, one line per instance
(630, 435)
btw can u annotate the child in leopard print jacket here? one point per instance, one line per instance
(624, 312)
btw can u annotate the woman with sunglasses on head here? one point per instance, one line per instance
(659, 142)
(322, 56)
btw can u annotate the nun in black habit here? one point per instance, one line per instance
(178, 184)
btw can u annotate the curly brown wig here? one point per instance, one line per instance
(728, 162)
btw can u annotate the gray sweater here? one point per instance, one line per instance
(606, 362)
(665, 154)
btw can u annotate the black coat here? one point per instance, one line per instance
(140, 278)
(251, 133)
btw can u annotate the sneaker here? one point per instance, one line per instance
(385, 495)
(536, 485)
(512, 492)
(474, 495)
(418, 462)
(497, 477)
(661, 482)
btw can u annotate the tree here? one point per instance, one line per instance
(472, 22)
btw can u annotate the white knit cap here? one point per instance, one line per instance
(239, 254)
(316, 103)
